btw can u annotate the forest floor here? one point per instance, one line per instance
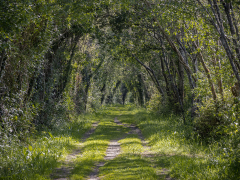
(115, 142)
(112, 149)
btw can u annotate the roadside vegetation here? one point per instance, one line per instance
(172, 149)
(36, 156)
(176, 148)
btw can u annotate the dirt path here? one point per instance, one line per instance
(147, 152)
(63, 172)
(114, 148)
(113, 151)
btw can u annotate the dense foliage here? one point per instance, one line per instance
(61, 58)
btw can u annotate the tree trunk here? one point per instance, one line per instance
(207, 74)
(232, 30)
(219, 76)
(103, 93)
(152, 75)
(140, 89)
(220, 29)
(171, 43)
(173, 85)
(165, 77)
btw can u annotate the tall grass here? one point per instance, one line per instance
(176, 147)
(173, 146)
(38, 155)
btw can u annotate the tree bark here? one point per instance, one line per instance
(232, 30)
(152, 75)
(219, 77)
(208, 74)
(165, 77)
(174, 87)
(219, 27)
(171, 43)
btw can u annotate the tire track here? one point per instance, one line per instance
(112, 151)
(114, 148)
(147, 152)
(63, 172)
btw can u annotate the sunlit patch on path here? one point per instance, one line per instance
(64, 172)
(147, 153)
(113, 151)
(163, 173)
(126, 163)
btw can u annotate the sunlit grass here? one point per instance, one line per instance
(173, 147)
(131, 145)
(94, 148)
(129, 164)
(38, 155)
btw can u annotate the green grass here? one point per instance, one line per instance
(131, 145)
(94, 148)
(171, 148)
(38, 155)
(129, 164)
(128, 167)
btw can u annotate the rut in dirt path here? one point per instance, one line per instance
(63, 172)
(147, 153)
(113, 151)
(114, 148)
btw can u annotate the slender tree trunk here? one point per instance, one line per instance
(219, 77)
(124, 91)
(232, 30)
(3, 59)
(175, 88)
(165, 77)
(181, 81)
(208, 74)
(220, 29)
(171, 43)
(152, 75)
(103, 93)
(68, 69)
(140, 89)
(184, 53)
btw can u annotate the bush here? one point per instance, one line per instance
(217, 119)
(16, 118)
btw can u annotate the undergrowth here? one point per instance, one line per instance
(179, 149)
(38, 155)
(173, 146)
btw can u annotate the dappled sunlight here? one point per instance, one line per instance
(131, 145)
(88, 82)
(118, 150)
(171, 149)
(185, 167)
(93, 150)
(128, 167)
(46, 152)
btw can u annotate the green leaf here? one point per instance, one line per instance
(30, 148)
(50, 135)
